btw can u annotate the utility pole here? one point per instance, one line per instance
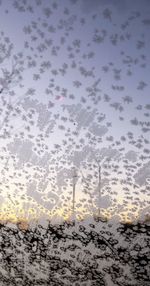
(100, 183)
(88, 192)
(99, 186)
(99, 189)
(73, 197)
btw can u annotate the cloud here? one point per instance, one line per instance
(98, 130)
(131, 156)
(143, 174)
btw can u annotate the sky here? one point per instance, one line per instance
(74, 97)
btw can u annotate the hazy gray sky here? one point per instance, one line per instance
(74, 82)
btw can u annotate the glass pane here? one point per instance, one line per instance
(74, 142)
